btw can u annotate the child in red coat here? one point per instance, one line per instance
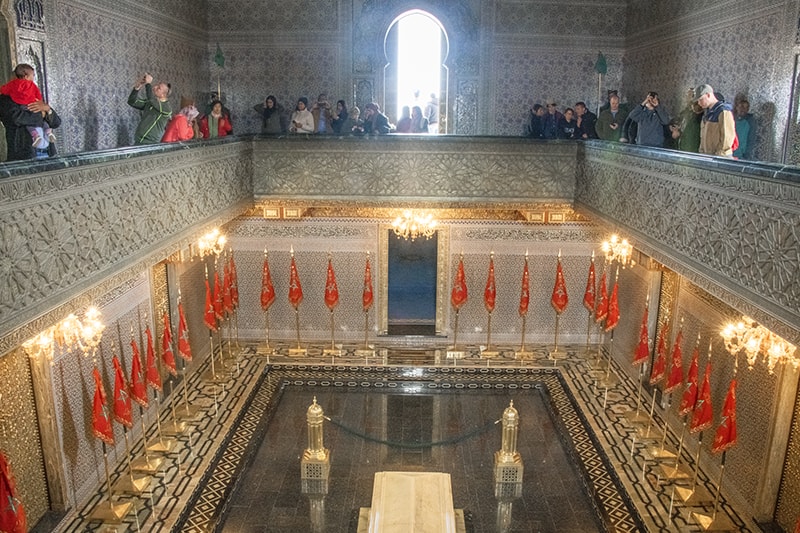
(23, 90)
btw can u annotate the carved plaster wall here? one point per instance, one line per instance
(503, 55)
(97, 49)
(734, 235)
(442, 170)
(741, 48)
(348, 240)
(65, 233)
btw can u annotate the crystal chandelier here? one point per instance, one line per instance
(620, 250)
(753, 339)
(71, 332)
(411, 225)
(212, 243)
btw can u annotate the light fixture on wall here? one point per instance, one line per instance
(413, 225)
(69, 333)
(617, 249)
(752, 338)
(212, 243)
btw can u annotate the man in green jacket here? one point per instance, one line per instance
(155, 108)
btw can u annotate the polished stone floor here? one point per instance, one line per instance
(235, 463)
(387, 430)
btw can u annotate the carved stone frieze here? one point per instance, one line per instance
(65, 231)
(562, 233)
(445, 168)
(736, 236)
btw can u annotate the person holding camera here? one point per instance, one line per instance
(155, 108)
(302, 120)
(650, 118)
(609, 123)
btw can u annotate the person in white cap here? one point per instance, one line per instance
(718, 129)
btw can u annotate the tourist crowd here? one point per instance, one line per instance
(707, 124)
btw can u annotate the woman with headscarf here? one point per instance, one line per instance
(302, 120)
(419, 124)
(340, 115)
(272, 117)
(181, 127)
(404, 124)
(216, 123)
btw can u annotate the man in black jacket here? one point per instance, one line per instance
(17, 118)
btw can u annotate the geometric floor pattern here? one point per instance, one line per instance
(190, 490)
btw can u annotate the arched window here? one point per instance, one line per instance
(416, 48)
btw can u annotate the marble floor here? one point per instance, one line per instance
(235, 466)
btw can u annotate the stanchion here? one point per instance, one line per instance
(589, 323)
(332, 351)
(453, 352)
(488, 352)
(714, 521)
(132, 483)
(298, 350)
(187, 411)
(108, 510)
(162, 445)
(556, 354)
(266, 349)
(367, 351)
(695, 495)
(212, 374)
(146, 463)
(522, 353)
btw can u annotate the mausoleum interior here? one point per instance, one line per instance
(463, 331)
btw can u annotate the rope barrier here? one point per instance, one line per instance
(414, 445)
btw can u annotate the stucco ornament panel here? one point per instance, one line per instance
(392, 167)
(61, 232)
(739, 232)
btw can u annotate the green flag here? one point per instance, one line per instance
(219, 59)
(600, 66)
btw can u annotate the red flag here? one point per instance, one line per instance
(726, 432)
(612, 318)
(331, 288)
(166, 347)
(138, 386)
(12, 512)
(525, 293)
(490, 292)
(184, 348)
(234, 284)
(209, 318)
(660, 364)
(153, 377)
(218, 297)
(589, 294)
(227, 301)
(367, 296)
(267, 289)
(559, 299)
(703, 416)
(101, 422)
(295, 289)
(602, 305)
(643, 349)
(458, 296)
(123, 410)
(689, 398)
(675, 377)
